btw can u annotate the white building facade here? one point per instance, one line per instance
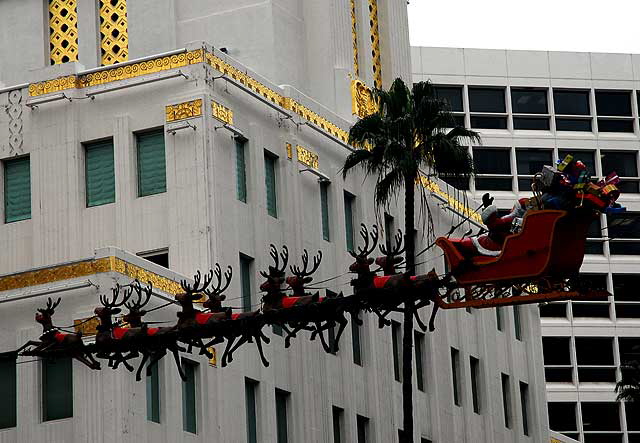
(533, 108)
(188, 154)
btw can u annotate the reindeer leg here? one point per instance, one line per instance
(434, 311)
(325, 346)
(226, 351)
(292, 334)
(176, 357)
(265, 362)
(85, 361)
(421, 325)
(154, 361)
(343, 324)
(145, 357)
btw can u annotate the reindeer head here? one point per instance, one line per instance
(303, 276)
(391, 257)
(215, 295)
(194, 292)
(363, 261)
(143, 295)
(275, 276)
(44, 315)
(110, 307)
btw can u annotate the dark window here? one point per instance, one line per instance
(571, 102)
(530, 162)
(629, 349)
(591, 310)
(452, 95)
(8, 406)
(601, 416)
(625, 287)
(603, 438)
(624, 164)
(556, 350)
(531, 123)
(609, 125)
(160, 258)
(189, 401)
(153, 395)
(17, 189)
(419, 348)
(389, 230)
(506, 400)
(517, 325)
(396, 340)
(100, 173)
(246, 263)
(595, 231)
(355, 343)
(574, 124)
(529, 101)
(270, 162)
(562, 417)
(282, 432)
(337, 415)
(250, 388)
(492, 162)
(487, 100)
(241, 170)
(57, 389)
(524, 402)
(617, 103)
(586, 157)
(457, 182)
(455, 375)
(621, 226)
(499, 319)
(474, 365)
(594, 351)
(488, 122)
(553, 309)
(632, 411)
(152, 170)
(349, 202)
(362, 425)
(324, 210)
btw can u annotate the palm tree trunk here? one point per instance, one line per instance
(407, 335)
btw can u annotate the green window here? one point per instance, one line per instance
(241, 171)
(282, 433)
(324, 208)
(100, 175)
(8, 390)
(355, 343)
(250, 388)
(517, 325)
(57, 389)
(17, 190)
(245, 281)
(189, 411)
(348, 219)
(152, 165)
(396, 339)
(455, 375)
(419, 350)
(153, 395)
(270, 184)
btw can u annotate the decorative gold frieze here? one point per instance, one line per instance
(457, 205)
(362, 101)
(114, 36)
(184, 110)
(375, 44)
(117, 73)
(86, 326)
(289, 151)
(307, 157)
(354, 38)
(222, 113)
(63, 31)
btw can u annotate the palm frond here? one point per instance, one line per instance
(388, 186)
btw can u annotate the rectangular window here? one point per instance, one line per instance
(282, 432)
(517, 325)
(17, 189)
(623, 226)
(493, 169)
(396, 339)
(600, 416)
(250, 388)
(337, 415)
(474, 365)
(324, 210)
(246, 263)
(270, 184)
(625, 164)
(153, 395)
(159, 257)
(362, 425)
(524, 403)
(529, 101)
(553, 310)
(499, 319)
(355, 343)
(572, 110)
(506, 400)
(349, 201)
(189, 407)
(455, 375)
(241, 170)
(388, 230)
(592, 308)
(626, 296)
(152, 167)
(557, 359)
(563, 418)
(452, 95)
(595, 359)
(419, 348)
(100, 173)
(586, 157)
(618, 105)
(491, 106)
(57, 389)
(529, 162)
(8, 406)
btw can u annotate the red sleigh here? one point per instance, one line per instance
(538, 264)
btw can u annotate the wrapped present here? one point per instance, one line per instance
(562, 164)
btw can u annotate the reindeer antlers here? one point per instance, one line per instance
(397, 249)
(51, 306)
(365, 234)
(196, 283)
(276, 269)
(219, 289)
(305, 264)
(139, 303)
(113, 302)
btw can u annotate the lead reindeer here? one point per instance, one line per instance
(108, 347)
(56, 344)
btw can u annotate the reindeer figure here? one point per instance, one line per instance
(108, 347)
(362, 266)
(215, 296)
(275, 278)
(54, 343)
(302, 277)
(391, 257)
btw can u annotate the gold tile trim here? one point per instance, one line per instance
(307, 157)
(375, 44)
(84, 268)
(362, 102)
(117, 73)
(114, 35)
(432, 186)
(63, 31)
(289, 151)
(183, 110)
(86, 326)
(222, 113)
(354, 38)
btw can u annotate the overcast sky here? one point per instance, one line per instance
(559, 25)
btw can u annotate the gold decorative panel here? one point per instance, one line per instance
(63, 31)
(307, 157)
(289, 151)
(184, 110)
(375, 43)
(222, 113)
(362, 102)
(87, 326)
(354, 37)
(114, 37)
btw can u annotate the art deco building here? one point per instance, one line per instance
(150, 139)
(533, 108)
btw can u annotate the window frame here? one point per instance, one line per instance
(588, 117)
(88, 146)
(139, 178)
(5, 188)
(522, 116)
(502, 117)
(271, 162)
(194, 382)
(46, 365)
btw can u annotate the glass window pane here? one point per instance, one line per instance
(506, 400)
(597, 375)
(241, 170)
(459, 120)
(603, 438)
(189, 397)
(396, 340)
(531, 161)
(556, 350)
(17, 190)
(245, 282)
(270, 184)
(524, 402)
(529, 101)
(625, 287)
(594, 351)
(531, 123)
(586, 157)
(624, 310)
(558, 375)
(337, 414)
(632, 411)
(452, 95)
(324, 210)
(607, 125)
(460, 183)
(57, 389)
(627, 186)
(153, 395)
(362, 425)
(623, 163)
(613, 103)
(250, 388)
(474, 365)
(455, 375)
(562, 416)
(553, 310)
(349, 201)
(419, 349)
(573, 124)
(282, 433)
(152, 175)
(493, 184)
(8, 390)
(355, 343)
(486, 100)
(624, 225)
(488, 122)
(100, 173)
(571, 102)
(491, 161)
(600, 416)
(593, 310)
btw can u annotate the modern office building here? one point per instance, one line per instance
(119, 133)
(533, 108)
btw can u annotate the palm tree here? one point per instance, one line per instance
(412, 133)
(628, 389)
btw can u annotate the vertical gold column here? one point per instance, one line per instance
(354, 34)
(114, 37)
(63, 31)
(375, 43)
